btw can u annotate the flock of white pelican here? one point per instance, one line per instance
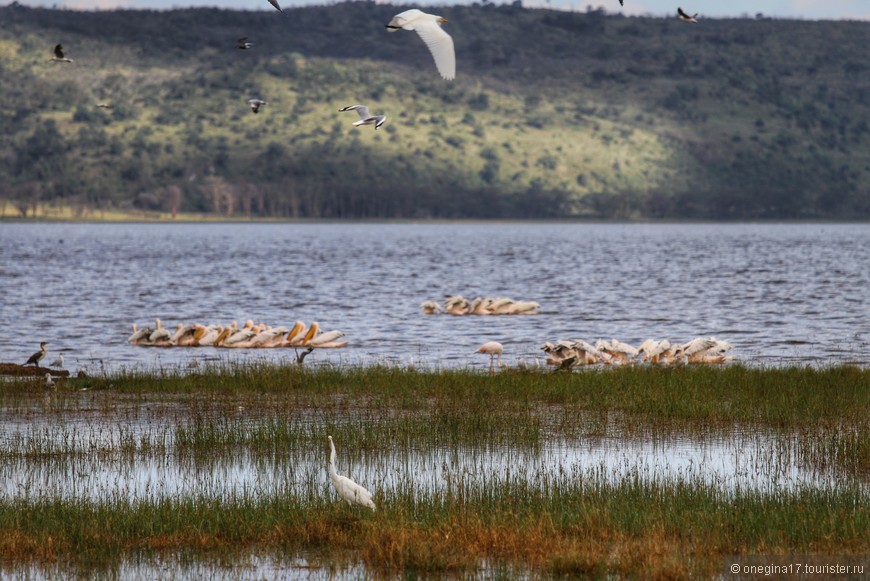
(568, 354)
(249, 336)
(458, 305)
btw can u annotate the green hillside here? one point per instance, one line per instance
(552, 114)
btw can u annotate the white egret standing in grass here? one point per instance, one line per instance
(346, 488)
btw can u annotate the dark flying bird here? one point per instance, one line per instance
(686, 18)
(58, 55)
(256, 104)
(243, 44)
(39, 355)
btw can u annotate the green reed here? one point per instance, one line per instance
(565, 523)
(556, 524)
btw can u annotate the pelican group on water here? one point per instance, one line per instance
(459, 305)
(249, 336)
(576, 353)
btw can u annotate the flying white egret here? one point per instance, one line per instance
(346, 488)
(428, 26)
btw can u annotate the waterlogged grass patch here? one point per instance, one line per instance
(485, 521)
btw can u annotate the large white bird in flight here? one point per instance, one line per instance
(428, 26)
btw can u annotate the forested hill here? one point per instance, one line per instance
(552, 114)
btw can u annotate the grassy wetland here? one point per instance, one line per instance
(518, 472)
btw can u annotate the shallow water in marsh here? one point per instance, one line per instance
(781, 293)
(139, 455)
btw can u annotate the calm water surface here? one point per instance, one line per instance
(781, 293)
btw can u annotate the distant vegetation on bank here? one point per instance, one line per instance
(552, 115)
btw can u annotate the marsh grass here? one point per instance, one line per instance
(557, 523)
(569, 527)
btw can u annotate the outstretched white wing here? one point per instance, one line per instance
(440, 45)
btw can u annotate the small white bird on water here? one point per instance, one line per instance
(428, 26)
(365, 118)
(346, 488)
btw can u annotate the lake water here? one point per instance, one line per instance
(781, 293)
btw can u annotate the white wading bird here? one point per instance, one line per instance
(493, 349)
(346, 488)
(365, 118)
(428, 26)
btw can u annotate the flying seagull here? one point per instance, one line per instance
(686, 18)
(428, 26)
(364, 117)
(256, 104)
(58, 55)
(243, 44)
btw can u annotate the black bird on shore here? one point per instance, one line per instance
(38, 356)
